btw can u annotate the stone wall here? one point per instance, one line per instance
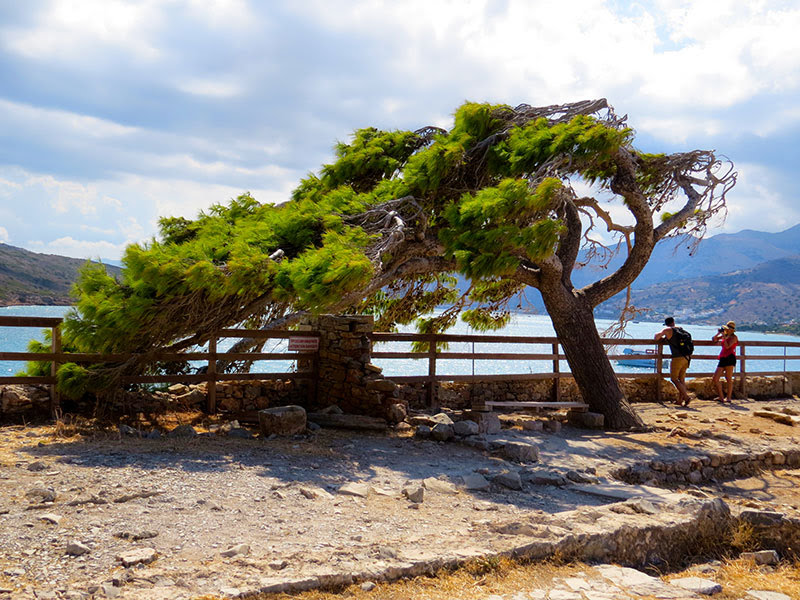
(243, 396)
(345, 376)
(463, 395)
(705, 467)
(759, 387)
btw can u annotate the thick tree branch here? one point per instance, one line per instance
(624, 183)
(570, 243)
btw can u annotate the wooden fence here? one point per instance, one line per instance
(209, 357)
(432, 355)
(554, 356)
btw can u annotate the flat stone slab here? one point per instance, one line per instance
(765, 595)
(360, 490)
(437, 485)
(640, 583)
(762, 557)
(475, 481)
(137, 556)
(698, 585)
(621, 491)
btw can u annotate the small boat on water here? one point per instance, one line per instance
(645, 363)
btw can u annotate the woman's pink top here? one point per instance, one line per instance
(727, 351)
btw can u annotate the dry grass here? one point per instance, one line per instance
(738, 576)
(474, 581)
(503, 576)
(744, 538)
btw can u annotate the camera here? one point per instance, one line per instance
(721, 330)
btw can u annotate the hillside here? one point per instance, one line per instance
(715, 255)
(766, 293)
(32, 278)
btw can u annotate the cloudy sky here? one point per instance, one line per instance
(115, 113)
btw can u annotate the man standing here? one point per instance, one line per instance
(681, 347)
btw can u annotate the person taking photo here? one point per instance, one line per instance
(726, 336)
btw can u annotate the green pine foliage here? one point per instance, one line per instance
(490, 232)
(473, 183)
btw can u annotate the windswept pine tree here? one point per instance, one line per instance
(384, 229)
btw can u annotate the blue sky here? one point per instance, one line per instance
(115, 113)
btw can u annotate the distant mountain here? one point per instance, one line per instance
(767, 293)
(715, 255)
(31, 278)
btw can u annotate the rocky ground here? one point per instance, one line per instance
(120, 516)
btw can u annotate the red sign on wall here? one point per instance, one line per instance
(303, 344)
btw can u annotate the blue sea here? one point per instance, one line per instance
(15, 339)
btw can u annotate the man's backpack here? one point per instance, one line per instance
(683, 341)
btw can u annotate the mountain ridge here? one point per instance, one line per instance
(33, 278)
(768, 293)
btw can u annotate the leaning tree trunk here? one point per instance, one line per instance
(573, 321)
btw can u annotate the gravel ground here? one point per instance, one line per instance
(220, 515)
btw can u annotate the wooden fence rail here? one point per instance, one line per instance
(435, 341)
(210, 357)
(434, 353)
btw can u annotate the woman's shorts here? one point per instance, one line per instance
(727, 361)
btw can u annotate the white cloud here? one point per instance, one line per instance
(17, 116)
(756, 203)
(69, 246)
(3, 235)
(679, 60)
(67, 195)
(211, 88)
(67, 30)
(227, 14)
(164, 107)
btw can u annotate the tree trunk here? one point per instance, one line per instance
(573, 321)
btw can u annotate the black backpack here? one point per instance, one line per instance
(683, 341)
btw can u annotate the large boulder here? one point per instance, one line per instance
(282, 420)
(18, 399)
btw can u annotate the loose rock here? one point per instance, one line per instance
(360, 490)
(236, 550)
(437, 485)
(521, 452)
(140, 555)
(282, 420)
(183, 431)
(75, 548)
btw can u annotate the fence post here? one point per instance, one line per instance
(556, 378)
(785, 374)
(431, 389)
(659, 369)
(55, 397)
(211, 372)
(744, 371)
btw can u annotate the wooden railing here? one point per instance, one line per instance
(703, 351)
(210, 357)
(432, 355)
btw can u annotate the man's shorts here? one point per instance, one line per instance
(677, 367)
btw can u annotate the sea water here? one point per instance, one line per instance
(15, 339)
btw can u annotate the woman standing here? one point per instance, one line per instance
(727, 358)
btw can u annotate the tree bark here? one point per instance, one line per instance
(573, 321)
